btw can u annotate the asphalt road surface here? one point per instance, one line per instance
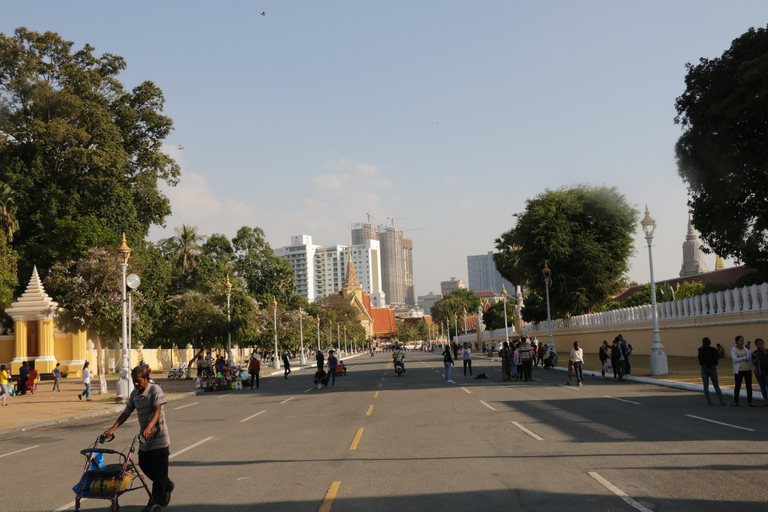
(379, 442)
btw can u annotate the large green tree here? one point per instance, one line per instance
(75, 144)
(585, 234)
(723, 153)
(453, 306)
(265, 275)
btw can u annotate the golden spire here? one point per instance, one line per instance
(719, 263)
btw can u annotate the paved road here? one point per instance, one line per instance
(378, 442)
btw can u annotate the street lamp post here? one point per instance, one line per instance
(547, 273)
(455, 327)
(124, 383)
(318, 333)
(230, 359)
(338, 337)
(133, 281)
(302, 358)
(658, 357)
(277, 356)
(345, 340)
(504, 298)
(465, 323)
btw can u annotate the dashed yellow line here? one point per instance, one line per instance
(375, 394)
(325, 506)
(389, 365)
(356, 440)
(381, 384)
(370, 410)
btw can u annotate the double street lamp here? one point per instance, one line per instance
(658, 357)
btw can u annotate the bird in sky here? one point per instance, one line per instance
(263, 13)
(181, 147)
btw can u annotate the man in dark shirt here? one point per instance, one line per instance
(320, 360)
(23, 377)
(708, 361)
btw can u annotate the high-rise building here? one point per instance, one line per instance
(396, 260)
(320, 271)
(453, 283)
(301, 255)
(427, 301)
(483, 276)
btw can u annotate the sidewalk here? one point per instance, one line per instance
(44, 408)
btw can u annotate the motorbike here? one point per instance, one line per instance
(178, 373)
(399, 368)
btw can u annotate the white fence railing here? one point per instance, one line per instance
(749, 299)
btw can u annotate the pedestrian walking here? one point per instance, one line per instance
(482, 349)
(254, 367)
(4, 377)
(466, 356)
(506, 362)
(57, 378)
(760, 364)
(332, 362)
(577, 355)
(708, 360)
(741, 357)
(87, 381)
(541, 352)
(286, 364)
(448, 362)
(604, 358)
(320, 358)
(147, 400)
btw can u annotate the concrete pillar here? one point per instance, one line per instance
(46, 361)
(20, 347)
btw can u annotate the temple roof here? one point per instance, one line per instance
(33, 300)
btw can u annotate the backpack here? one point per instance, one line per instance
(615, 351)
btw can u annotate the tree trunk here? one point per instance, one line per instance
(100, 367)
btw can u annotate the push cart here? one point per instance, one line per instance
(110, 481)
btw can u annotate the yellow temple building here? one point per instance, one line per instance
(35, 338)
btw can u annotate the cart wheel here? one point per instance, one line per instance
(156, 508)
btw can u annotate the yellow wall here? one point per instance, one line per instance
(7, 345)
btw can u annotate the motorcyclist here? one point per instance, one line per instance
(399, 357)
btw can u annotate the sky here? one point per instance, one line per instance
(447, 115)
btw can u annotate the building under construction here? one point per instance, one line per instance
(396, 260)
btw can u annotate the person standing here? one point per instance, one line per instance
(541, 352)
(626, 350)
(320, 360)
(720, 351)
(332, 362)
(760, 364)
(741, 357)
(4, 377)
(516, 363)
(254, 367)
(448, 362)
(23, 378)
(526, 359)
(87, 382)
(286, 364)
(482, 349)
(466, 356)
(577, 356)
(57, 378)
(708, 361)
(147, 400)
(506, 362)
(616, 360)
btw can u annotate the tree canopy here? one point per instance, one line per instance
(722, 154)
(584, 233)
(75, 144)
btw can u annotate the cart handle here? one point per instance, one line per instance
(99, 450)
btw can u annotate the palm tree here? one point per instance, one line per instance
(8, 223)
(185, 248)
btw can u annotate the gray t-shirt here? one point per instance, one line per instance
(144, 405)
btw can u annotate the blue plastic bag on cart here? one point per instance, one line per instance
(97, 462)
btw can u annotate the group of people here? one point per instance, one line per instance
(745, 362)
(323, 378)
(616, 357)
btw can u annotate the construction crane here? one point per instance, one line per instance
(393, 218)
(370, 217)
(412, 229)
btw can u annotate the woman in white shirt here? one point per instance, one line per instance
(577, 356)
(87, 382)
(466, 355)
(742, 371)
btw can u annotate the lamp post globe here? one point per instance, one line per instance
(658, 358)
(124, 382)
(230, 359)
(276, 365)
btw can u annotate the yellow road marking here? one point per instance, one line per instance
(370, 410)
(381, 385)
(375, 394)
(389, 365)
(328, 500)
(356, 440)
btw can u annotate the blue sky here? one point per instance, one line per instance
(446, 114)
